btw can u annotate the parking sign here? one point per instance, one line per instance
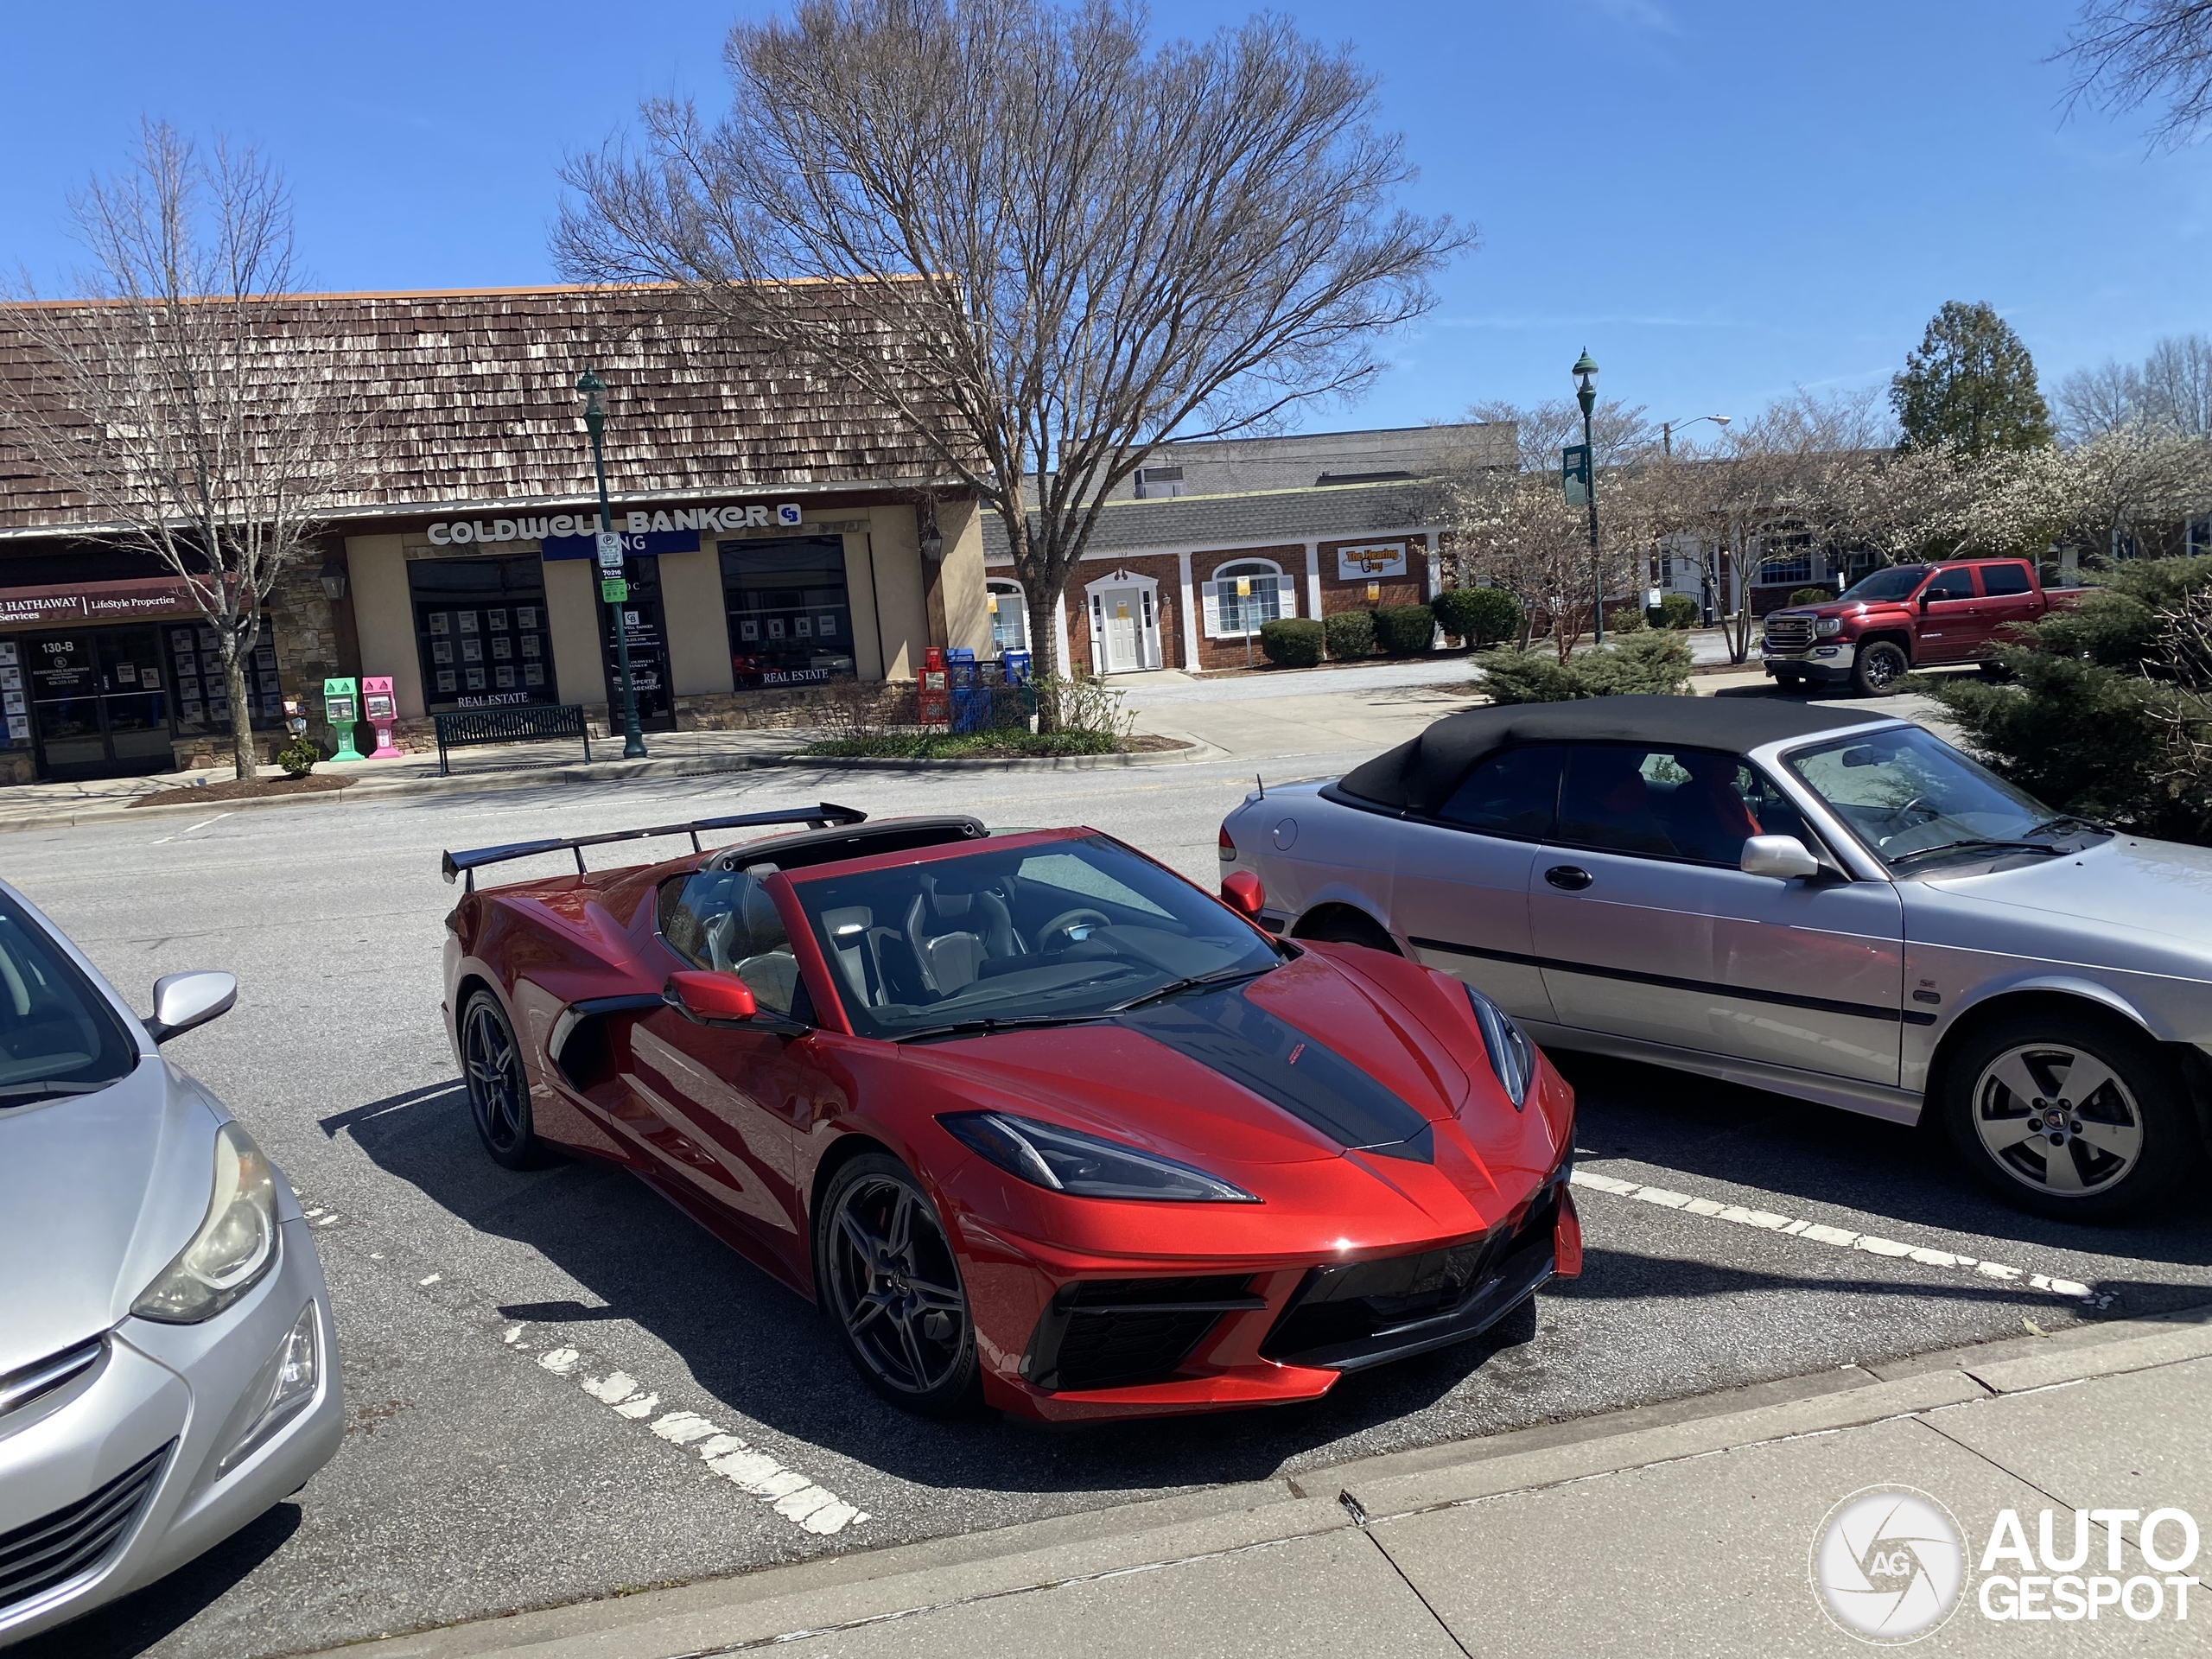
(610, 549)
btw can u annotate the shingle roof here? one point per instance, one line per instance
(473, 402)
(1260, 518)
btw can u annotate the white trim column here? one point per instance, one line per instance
(1060, 624)
(1435, 571)
(1313, 580)
(1189, 595)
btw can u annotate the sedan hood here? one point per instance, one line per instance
(97, 1192)
(2158, 891)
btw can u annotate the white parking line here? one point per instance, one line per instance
(1837, 1237)
(181, 834)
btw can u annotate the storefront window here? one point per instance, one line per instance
(203, 700)
(481, 629)
(791, 622)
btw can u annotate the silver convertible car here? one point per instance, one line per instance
(166, 1367)
(1806, 899)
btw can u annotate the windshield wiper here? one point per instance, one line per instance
(1176, 987)
(47, 1089)
(984, 1026)
(2097, 824)
(1971, 846)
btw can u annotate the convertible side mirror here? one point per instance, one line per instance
(183, 1001)
(710, 999)
(1242, 891)
(1783, 857)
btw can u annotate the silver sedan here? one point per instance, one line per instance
(1806, 899)
(166, 1363)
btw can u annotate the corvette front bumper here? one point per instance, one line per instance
(1216, 1336)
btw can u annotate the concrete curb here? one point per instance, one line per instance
(369, 791)
(771, 1604)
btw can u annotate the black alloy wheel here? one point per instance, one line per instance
(1879, 667)
(2076, 1117)
(889, 1280)
(499, 1093)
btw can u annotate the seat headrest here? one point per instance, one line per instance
(848, 923)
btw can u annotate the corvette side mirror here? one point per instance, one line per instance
(1783, 857)
(1242, 891)
(710, 999)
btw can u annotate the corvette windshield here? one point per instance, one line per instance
(1896, 583)
(1063, 930)
(1916, 800)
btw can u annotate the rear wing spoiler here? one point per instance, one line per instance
(822, 815)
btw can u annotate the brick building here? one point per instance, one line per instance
(781, 536)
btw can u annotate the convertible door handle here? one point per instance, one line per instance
(1571, 877)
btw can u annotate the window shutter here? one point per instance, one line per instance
(1210, 591)
(1287, 588)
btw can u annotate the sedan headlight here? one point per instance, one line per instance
(234, 1247)
(1827, 627)
(1083, 1165)
(1512, 1056)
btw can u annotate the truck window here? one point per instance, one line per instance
(1950, 584)
(2000, 580)
(1898, 581)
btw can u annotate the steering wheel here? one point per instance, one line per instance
(1920, 801)
(1068, 919)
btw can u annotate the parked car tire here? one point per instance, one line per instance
(1342, 924)
(498, 1088)
(886, 1275)
(2011, 1097)
(1879, 667)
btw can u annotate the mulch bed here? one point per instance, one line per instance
(242, 789)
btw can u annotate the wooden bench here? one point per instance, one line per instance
(515, 723)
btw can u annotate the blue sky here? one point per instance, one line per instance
(1719, 201)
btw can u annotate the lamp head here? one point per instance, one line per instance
(594, 389)
(1585, 382)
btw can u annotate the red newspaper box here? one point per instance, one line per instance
(936, 704)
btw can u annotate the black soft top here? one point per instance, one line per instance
(1418, 775)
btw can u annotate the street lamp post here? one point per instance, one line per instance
(633, 738)
(1585, 393)
(1667, 429)
(1667, 443)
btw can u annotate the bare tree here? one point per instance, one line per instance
(2128, 53)
(2169, 391)
(2098, 400)
(1620, 433)
(1051, 248)
(171, 398)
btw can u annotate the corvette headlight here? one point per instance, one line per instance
(234, 1247)
(1512, 1056)
(1083, 1165)
(1827, 627)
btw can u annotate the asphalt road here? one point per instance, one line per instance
(478, 1475)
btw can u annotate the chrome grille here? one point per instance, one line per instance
(76, 1538)
(28, 1382)
(1785, 632)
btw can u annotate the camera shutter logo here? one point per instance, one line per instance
(1888, 1565)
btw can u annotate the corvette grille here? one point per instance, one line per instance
(1104, 1333)
(1360, 1314)
(1785, 633)
(76, 1538)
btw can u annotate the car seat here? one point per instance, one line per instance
(1706, 817)
(953, 929)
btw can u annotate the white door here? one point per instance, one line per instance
(1123, 608)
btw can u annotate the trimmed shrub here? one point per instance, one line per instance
(1480, 616)
(1810, 596)
(1651, 664)
(298, 756)
(1676, 610)
(1292, 641)
(1404, 630)
(1626, 620)
(1350, 635)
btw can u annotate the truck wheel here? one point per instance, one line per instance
(2077, 1116)
(1879, 666)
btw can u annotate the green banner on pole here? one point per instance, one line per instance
(1574, 473)
(614, 590)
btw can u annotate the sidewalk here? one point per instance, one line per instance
(1686, 1529)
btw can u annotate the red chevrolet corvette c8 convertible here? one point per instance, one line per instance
(1026, 1114)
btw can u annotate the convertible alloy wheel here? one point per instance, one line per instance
(2073, 1116)
(891, 1283)
(498, 1094)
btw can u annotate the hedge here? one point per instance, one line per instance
(1480, 616)
(1350, 635)
(1655, 665)
(1292, 642)
(1404, 630)
(1677, 611)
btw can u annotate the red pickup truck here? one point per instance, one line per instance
(1908, 616)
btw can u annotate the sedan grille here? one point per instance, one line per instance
(76, 1538)
(28, 1382)
(1786, 632)
(1104, 1333)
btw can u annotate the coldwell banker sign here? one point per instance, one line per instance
(575, 535)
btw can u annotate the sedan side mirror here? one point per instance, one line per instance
(1242, 891)
(1783, 857)
(183, 1001)
(710, 999)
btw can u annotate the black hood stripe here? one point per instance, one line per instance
(1227, 1033)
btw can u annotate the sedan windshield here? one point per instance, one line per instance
(58, 1035)
(1035, 935)
(1914, 800)
(1896, 583)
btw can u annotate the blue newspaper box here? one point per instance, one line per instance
(1014, 667)
(971, 697)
